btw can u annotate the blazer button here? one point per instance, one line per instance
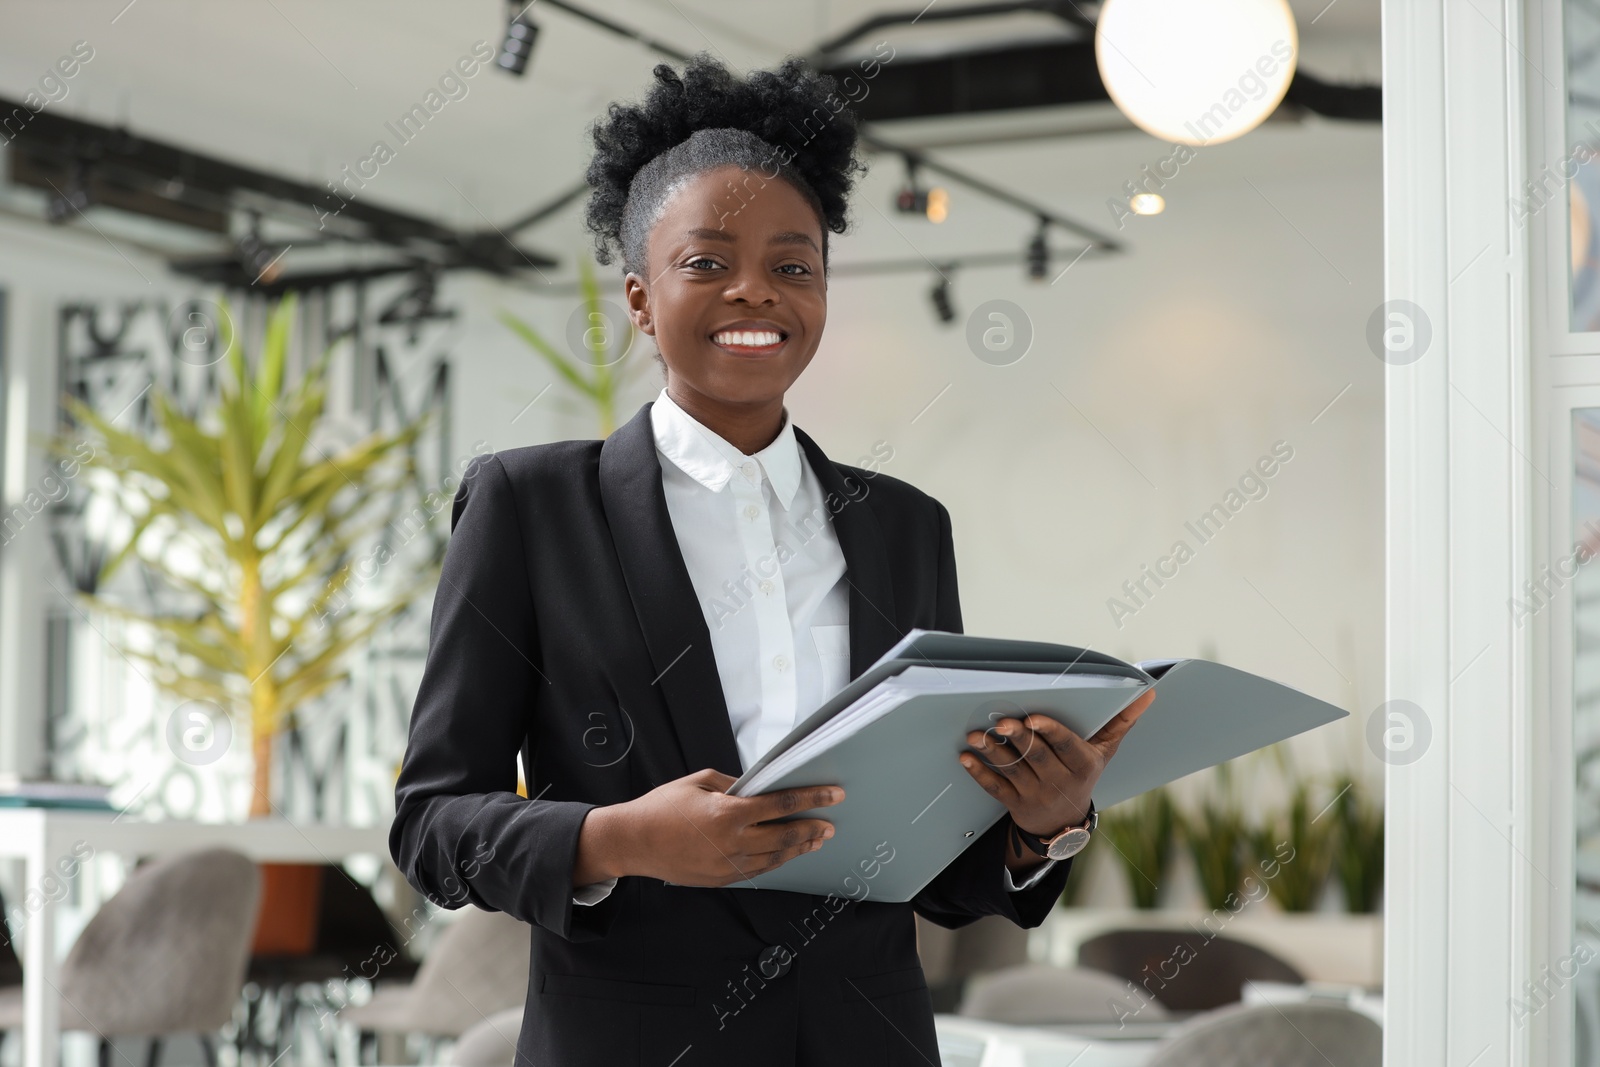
(774, 961)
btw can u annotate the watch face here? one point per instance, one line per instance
(1069, 844)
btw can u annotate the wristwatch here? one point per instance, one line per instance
(1064, 845)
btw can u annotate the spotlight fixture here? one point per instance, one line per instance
(518, 46)
(263, 262)
(1147, 203)
(912, 199)
(940, 295)
(1038, 254)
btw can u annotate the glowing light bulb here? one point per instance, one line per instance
(1196, 72)
(1147, 203)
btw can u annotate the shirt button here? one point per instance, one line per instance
(766, 587)
(751, 511)
(749, 469)
(780, 662)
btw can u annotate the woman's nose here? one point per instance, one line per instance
(752, 286)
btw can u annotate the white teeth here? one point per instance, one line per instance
(747, 338)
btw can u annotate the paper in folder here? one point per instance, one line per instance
(891, 736)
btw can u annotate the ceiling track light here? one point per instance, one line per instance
(1038, 254)
(517, 49)
(912, 199)
(262, 261)
(940, 295)
(1147, 203)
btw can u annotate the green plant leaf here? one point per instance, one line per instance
(1358, 859)
(274, 356)
(1294, 852)
(562, 365)
(1142, 832)
(1218, 840)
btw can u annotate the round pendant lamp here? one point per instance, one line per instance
(1196, 72)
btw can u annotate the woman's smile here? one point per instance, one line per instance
(749, 339)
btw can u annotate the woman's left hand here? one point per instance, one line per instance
(1043, 772)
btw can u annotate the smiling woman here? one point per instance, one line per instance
(724, 230)
(583, 623)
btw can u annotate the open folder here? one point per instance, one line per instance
(891, 737)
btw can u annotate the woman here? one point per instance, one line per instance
(641, 617)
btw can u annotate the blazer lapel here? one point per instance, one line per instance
(873, 630)
(663, 596)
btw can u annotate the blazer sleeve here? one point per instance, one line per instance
(973, 885)
(461, 833)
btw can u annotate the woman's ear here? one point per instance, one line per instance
(638, 298)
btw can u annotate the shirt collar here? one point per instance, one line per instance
(710, 460)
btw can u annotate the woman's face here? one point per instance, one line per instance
(733, 253)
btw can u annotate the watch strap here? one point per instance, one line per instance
(1024, 842)
(1041, 845)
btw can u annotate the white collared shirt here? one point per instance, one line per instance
(758, 541)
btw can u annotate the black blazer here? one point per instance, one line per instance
(565, 628)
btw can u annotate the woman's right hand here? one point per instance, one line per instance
(689, 831)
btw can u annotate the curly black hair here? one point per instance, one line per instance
(791, 122)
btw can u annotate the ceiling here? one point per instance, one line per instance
(304, 87)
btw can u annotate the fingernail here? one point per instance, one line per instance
(827, 832)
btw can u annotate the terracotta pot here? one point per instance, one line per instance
(291, 896)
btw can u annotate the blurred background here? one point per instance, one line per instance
(1086, 315)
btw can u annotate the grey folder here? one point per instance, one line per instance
(910, 808)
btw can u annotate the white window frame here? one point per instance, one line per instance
(1465, 899)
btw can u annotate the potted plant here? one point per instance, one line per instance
(1217, 840)
(257, 529)
(1297, 876)
(603, 363)
(1142, 832)
(1358, 860)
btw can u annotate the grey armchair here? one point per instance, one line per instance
(1284, 1035)
(491, 1043)
(1037, 994)
(165, 955)
(1186, 970)
(476, 967)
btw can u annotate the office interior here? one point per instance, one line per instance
(1285, 356)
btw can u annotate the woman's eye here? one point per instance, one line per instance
(800, 268)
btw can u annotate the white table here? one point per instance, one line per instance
(41, 837)
(968, 1042)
